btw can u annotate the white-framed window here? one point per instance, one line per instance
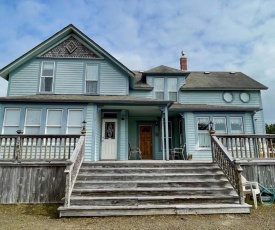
(11, 121)
(203, 133)
(91, 78)
(159, 88)
(46, 78)
(54, 121)
(172, 89)
(236, 125)
(74, 121)
(32, 121)
(219, 125)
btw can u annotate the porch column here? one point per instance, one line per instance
(162, 134)
(166, 132)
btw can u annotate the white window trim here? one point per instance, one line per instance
(198, 131)
(67, 127)
(26, 119)
(41, 71)
(170, 91)
(3, 127)
(158, 91)
(85, 88)
(53, 126)
(219, 117)
(241, 121)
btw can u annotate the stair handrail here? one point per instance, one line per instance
(230, 167)
(72, 169)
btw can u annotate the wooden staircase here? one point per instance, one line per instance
(151, 188)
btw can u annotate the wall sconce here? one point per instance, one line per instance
(83, 131)
(122, 117)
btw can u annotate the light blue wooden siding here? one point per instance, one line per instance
(123, 153)
(259, 123)
(248, 122)
(89, 146)
(25, 80)
(216, 98)
(112, 82)
(139, 93)
(69, 77)
(190, 132)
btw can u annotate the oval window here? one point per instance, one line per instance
(245, 97)
(228, 97)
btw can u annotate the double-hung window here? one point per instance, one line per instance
(236, 125)
(74, 123)
(32, 121)
(91, 78)
(159, 88)
(220, 125)
(54, 121)
(172, 89)
(203, 134)
(46, 79)
(11, 121)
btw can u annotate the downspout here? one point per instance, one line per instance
(253, 121)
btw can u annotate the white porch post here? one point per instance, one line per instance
(162, 134)
(166, 132)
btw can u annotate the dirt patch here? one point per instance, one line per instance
(46, 217)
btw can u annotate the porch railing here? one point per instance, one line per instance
(249, 146)
(37, 147)
(73, 168)
(231, 169)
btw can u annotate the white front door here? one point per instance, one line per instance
(109, 139)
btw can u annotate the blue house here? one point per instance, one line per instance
(69, 85)
(69, 78)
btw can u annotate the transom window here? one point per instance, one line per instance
(32, 121)
(54, 121)
(75, 119)
(159, 88)
(46, 79)
(91, 78)
(11, 121)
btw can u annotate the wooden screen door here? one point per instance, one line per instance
(145, 141)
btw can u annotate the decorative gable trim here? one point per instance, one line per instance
(70, 48)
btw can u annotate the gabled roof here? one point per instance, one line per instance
(220, 81)
(162, 69)
(70, 29)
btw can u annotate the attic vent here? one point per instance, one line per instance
(232, 72)
(206, 72)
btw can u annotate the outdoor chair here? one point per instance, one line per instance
(177, 153)
(252, 188)
(134, 151)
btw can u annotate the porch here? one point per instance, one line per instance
(186, 186)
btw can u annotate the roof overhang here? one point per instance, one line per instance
(211, 108)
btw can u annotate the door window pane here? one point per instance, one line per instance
(110, 130)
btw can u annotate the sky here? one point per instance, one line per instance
(216, 35)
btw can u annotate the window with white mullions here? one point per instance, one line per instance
(236, 125)
(46, 79)
(172, 89)
(91, 78)
(32, 121)
(75, 119)
(203, 133)
(159, 88)
(54, 121)
(219, 124)
(11, 121)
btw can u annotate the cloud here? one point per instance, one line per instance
(216, 35)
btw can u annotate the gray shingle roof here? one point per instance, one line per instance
(162, 69)
(80, 98)
(220, 81)
(206, 107)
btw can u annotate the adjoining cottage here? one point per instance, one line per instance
(68, 79)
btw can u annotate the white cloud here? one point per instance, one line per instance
(215, 35)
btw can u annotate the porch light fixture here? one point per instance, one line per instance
(83, 131)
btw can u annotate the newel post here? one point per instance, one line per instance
(17, 147)
(212, 132)
(239, 176)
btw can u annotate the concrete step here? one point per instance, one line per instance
(153, 210)
(152, 192)
(205, 183)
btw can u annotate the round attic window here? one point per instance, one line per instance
(228, 97)
(245, 97)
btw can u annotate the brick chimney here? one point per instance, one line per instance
(183, 62)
